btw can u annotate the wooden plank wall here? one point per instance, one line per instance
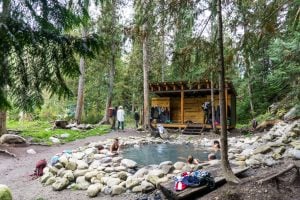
(192, 107)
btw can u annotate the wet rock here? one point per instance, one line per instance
(60, 184)
(113, 181)
(116, 190)
(81, 183)
(179, 165)
(94, 189)
(5, 193)
(128, 163)
(12, 139)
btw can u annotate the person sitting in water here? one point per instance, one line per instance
(191, 160)
(115, 147)
(216, 145)
(212, 156)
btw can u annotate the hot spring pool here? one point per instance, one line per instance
(156, 153)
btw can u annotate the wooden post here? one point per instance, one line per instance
(182, 105)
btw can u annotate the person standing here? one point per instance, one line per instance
(136, 118)
(120, 117)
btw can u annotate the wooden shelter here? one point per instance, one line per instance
(180, 104)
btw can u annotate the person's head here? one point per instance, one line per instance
(116, 141)
(216, 144)
(212, 156)
(190, 159)
(120, 107)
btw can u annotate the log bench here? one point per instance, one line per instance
(168, 187)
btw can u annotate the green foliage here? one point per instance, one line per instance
(40, 131)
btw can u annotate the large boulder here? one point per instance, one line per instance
(128, 163)
(292, 114)
(5, 193)
(116, 190)
(60, 184)
(94, 189)
(179, 165)
(12, 139)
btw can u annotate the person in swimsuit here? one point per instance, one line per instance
(115, 147)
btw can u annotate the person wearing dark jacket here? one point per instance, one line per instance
(136, 118)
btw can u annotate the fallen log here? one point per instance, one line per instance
(291, 166)
(7, 152)
(168, 187)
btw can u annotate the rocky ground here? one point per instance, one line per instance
(266, 153)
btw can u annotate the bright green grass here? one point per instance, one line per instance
(40, 131)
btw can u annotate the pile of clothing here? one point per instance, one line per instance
(194, 179)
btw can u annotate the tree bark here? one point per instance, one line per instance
(212, 102)
(146, 70)
(3, 122)
(227, 171)
(80, 94)
(162, 4)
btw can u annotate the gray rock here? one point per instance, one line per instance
(81, 164)
(50, 181)
(296, 144)
(65, 135)
(147, 187)
(113, 181)
(106, 190)
(78, 155)
(81, 183)
(165, 163)
(5, 193)
(128, 163)
(296, 154)
(90, 174)
(167, 168)
(94, 189)
(293, 113)
(12, 139)
(137, 189)
(116, 190)
(99, 156)
(262, 149)
(152, 179)
(109, 169)
(269, 162)
(120, 168)
(117, 159)
(131, 182)
(80, 172)
(95, 164)
(63, 160)
(60, 184)
(122, 175)
(179, 165)
(106, 160)
(252, 162)
(156, 172)
(54, 140)
(71, 165)
(46, 176)
(69, 175)
(141, 172)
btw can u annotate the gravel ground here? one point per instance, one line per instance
(15, 172)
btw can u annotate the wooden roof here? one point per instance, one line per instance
(194, 89)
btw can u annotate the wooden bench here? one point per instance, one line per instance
(168, 187)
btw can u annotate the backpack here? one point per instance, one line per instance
(40, 165)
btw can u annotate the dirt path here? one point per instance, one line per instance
(15, 172)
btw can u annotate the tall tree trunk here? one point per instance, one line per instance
(146, 70)
(163, 50)
(4, 69)
(212, 102)
(227, 171)
(112, 69)
(80, 94)
(249, 86)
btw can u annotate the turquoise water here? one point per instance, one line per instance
(157, 153)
